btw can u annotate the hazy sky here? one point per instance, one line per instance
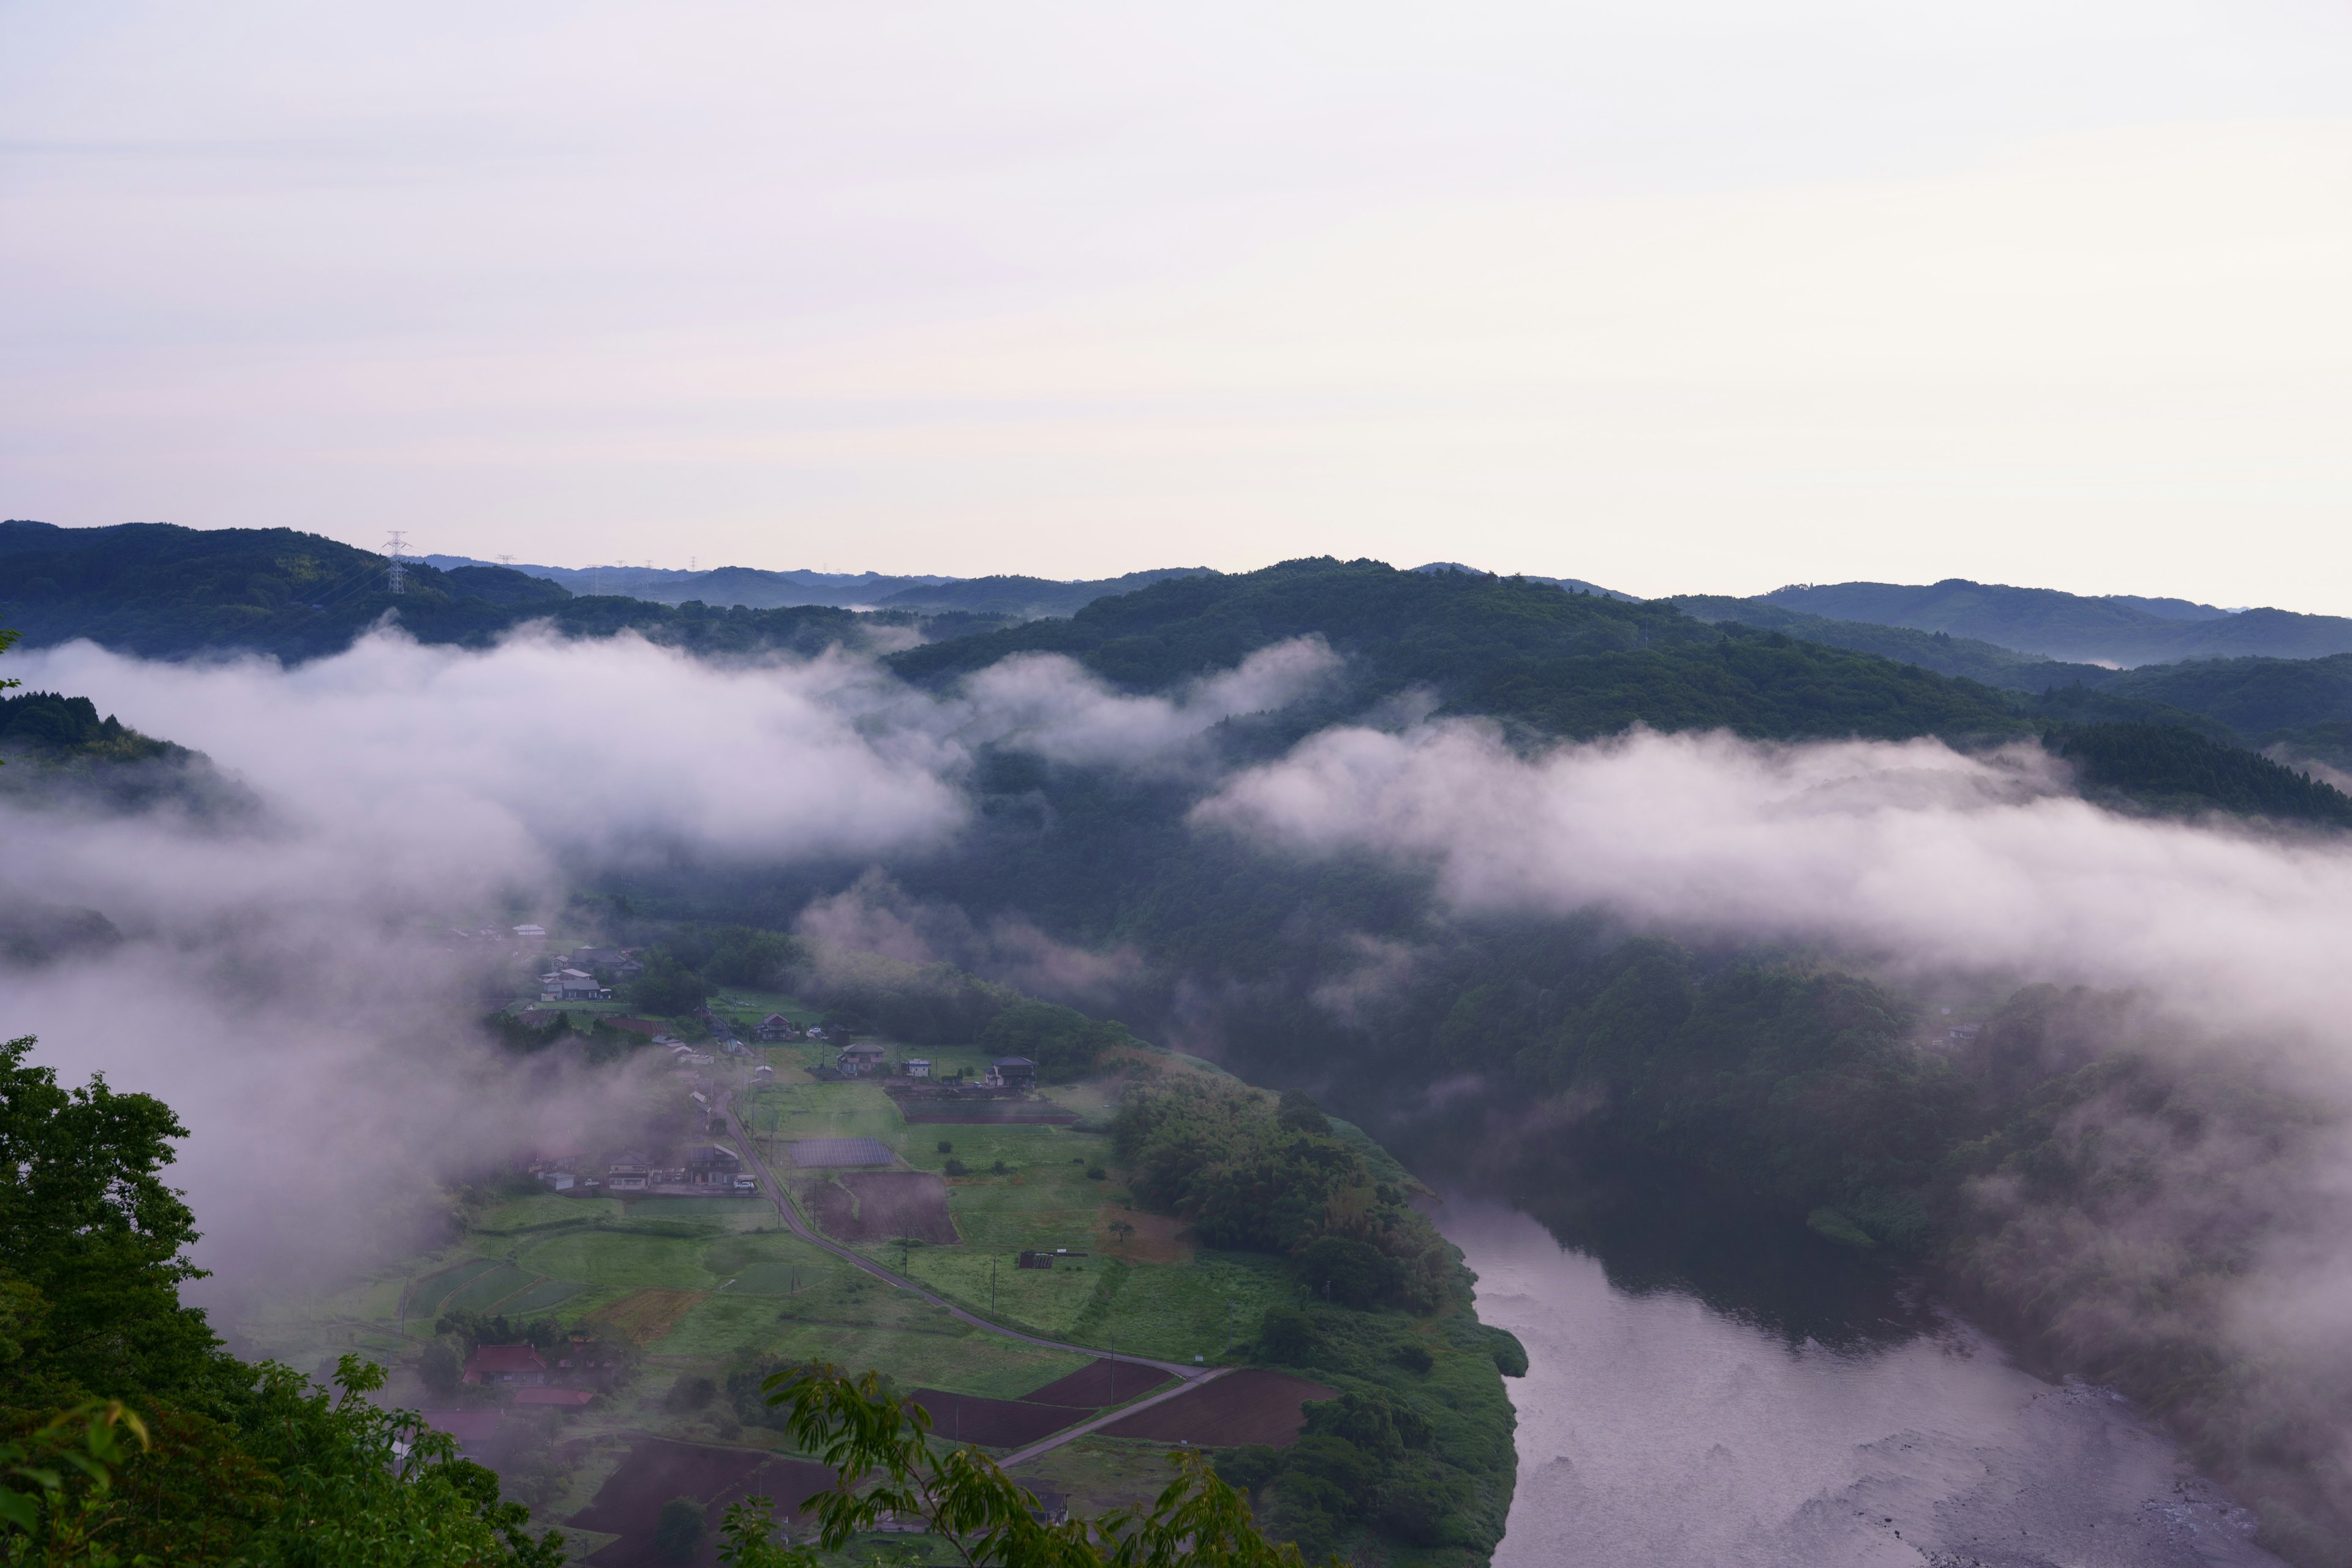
(1673, 295)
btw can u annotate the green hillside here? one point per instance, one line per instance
(1565, 664)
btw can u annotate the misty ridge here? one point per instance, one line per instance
(1483, 940)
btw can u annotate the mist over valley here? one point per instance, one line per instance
(1903, 1025)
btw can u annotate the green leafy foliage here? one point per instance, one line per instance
(880, 1448)
(1064, 1042)
(1215, 1152)
(237, 1464)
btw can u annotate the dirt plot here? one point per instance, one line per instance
(876, 1206)
(990, 1115)
(646, 1315)
(993, 1423)
(1103, 1383)
(1247, 1407)
(806, 1153)
(629, 1503)
(1149, 1238)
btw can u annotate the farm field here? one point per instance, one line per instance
(701, 1289)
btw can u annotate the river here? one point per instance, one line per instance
(1664, 1424)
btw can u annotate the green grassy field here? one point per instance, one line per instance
(710, 1285)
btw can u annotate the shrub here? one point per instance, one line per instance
(689, 1393)
(1286, 1335)
(1347, 1271)
(958, 1168)
(1413, 1356)
(1096, 1172)
(946, 1147)
(1299, 1113)
(678, 1530)
(441, 1370)
(1001, 1169)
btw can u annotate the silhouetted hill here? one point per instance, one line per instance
(749, 586)
(1939, 651)
(165, 592)
(2122, 629)
(1025, 597)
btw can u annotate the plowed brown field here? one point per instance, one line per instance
(630, 1502)
(1247, 1407)
(1104, 1382)
(874, 1206)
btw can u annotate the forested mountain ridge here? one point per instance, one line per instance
(1564, 664)
(160, 591)
(2119, 629)
(1967, 657)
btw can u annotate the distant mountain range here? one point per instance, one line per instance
(756, 589)
(2119, 629)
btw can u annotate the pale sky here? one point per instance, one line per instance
(1675, 295)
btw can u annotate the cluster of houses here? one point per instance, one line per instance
(867, 1060)
(576, 980)
(704, 1168)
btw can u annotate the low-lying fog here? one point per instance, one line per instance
(281, 987)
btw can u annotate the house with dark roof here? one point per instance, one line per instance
(1012, 1072)
(517, 1365)
(860, 1059)
(709, 1165)
(572, 985)
(628, 1173)
(776, 1026)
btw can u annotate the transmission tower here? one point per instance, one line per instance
(506, 560)
(398, 572)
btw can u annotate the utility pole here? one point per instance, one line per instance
(1230, 1304)
(398, 569)
(992, 1284)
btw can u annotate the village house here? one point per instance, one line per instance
(531, 936)
(620, 962)
(708, 1165)
(572, 985)
(1012, 1072)
(776, 1026)
(517, 1365)
(859, 1059)
(628, 1173)
(915, 1066)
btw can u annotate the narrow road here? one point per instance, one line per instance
(801, 1229)
(1105, 1418)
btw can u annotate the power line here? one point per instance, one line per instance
(397, 571)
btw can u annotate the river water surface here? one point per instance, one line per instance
(1662, 1429)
